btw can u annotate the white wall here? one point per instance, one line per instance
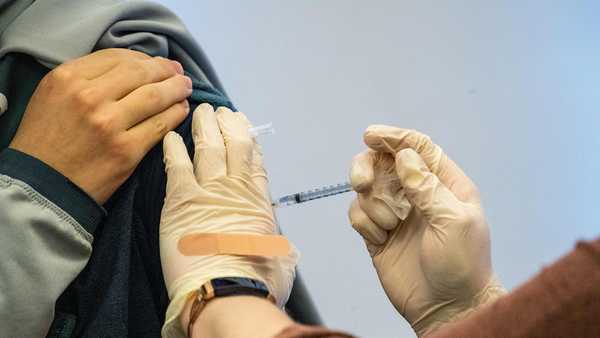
(510, 89)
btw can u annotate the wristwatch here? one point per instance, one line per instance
(224, 287)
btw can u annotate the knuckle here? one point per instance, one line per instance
(159, 127)
(163, 64)
(102, 126)
(87, 98)
(137, 69)
(419, 141)
(152, 95)
(61, 74)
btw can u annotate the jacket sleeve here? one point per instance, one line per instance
(46, 223)
(561, 301)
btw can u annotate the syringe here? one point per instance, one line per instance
(313, 194)
(304, 196)
(263, 129)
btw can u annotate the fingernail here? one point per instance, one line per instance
(188, 82)
(178, 67)
(186, 105)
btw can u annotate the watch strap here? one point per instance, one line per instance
(225, 287)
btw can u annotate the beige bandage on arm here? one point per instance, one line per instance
(234, 244)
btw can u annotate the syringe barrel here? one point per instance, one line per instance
(313, 194)
(288, 200)
(324, 192)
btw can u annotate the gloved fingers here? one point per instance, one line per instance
(210, 154)
(378, 210)
(259, 174)
(425, 191)
(178, 165)
(373, 249)
(369, 175)
(397, 202)
(392, 139)
(362, 172)
(238, 142)
(360, 221)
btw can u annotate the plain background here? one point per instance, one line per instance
(510, 89)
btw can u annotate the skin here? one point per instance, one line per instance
(253, 317)
(94, 118)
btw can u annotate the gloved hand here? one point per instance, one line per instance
(424, 227)
(224, 191)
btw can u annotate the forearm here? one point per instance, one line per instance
(562, 301)
(237, 317)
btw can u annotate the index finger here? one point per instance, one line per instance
(392, 139)
(210, 155)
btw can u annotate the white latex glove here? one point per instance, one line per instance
(224, 191)
(424, 227)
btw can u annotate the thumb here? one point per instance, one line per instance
(425, 191)
(362, 172)
(178, 166)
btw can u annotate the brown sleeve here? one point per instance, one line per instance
(563, 300)
(303, 331)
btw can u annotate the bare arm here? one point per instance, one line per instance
(237, 316)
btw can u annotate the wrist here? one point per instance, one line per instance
(459, 310)
(237, 316)
(53, 185)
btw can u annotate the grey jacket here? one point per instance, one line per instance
(46, 222)
(43, 247)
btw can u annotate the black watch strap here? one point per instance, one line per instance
(224, 287)
(232, 286)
